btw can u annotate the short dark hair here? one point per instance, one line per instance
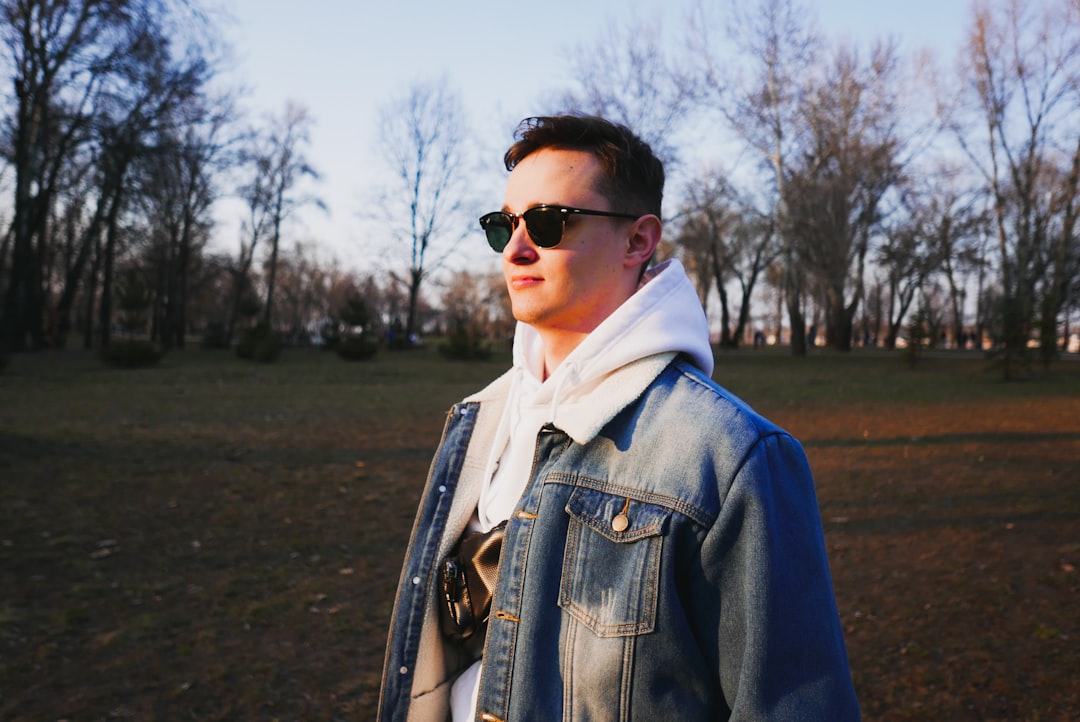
(633, 177)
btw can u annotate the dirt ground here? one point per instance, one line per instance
(953, 538)
(214, 541)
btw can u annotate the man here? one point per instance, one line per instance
(662, 556)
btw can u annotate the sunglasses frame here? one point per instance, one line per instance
(512, 219)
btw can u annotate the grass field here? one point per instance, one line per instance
(217, 540)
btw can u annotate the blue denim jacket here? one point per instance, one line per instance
(672, 568)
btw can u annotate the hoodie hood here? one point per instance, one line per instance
(619, 359)
(615, 364)
(663, 316)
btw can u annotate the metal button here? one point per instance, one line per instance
(620, 522)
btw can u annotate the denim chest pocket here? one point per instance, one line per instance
(610, 574)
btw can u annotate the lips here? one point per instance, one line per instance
(519, 282)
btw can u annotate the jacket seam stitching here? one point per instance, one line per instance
(670, 502)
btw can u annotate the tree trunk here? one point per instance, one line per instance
(721, 290)
(5, 246)
(90, 239)
(90, 294)
(240, 287)
(837, 322)
(108, 264)
(183, 263)
(415, 276)
(167, 287)
(838, 326)
(744, 318)
(725, 320)
(18, 301)
(796, 315)
(272, 275)
(747, 295)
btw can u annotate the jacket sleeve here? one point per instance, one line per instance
(779, 646)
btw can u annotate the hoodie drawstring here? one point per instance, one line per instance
(568, 373)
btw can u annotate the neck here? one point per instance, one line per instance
(557, 347)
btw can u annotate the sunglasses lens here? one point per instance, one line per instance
(545, 226)
(498, 227)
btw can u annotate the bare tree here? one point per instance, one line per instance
(137, 107)
(837, 190)
(98, 74)
(272, 159)
(423, 137)
(312, 290)
(630, 77)
(725, 240)
(177, 190)
(57, 56)
(949, 220)
(80, 213)
(703, 222)
(758, 91)
(253, 228)
(905, 259)
(1019, 70)
(281, 165)
(476, 307)
(1063, 254)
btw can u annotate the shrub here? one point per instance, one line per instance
(259, 343)
(131, 353)
(465, 343)
(331, 335)
(268, 349)
(356, 347)
(245, 345)
(214, 336)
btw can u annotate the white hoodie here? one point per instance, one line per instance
(598, 379)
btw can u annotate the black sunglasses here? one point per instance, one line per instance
(544, 224)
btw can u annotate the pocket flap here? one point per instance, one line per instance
(618, 518)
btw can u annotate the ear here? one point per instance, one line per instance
(644, 238)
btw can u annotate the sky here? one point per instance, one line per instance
(345, 59)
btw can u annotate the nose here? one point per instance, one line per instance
(520, 249)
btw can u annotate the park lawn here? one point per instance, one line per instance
(219, 540)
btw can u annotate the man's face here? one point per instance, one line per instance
(565, 291)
